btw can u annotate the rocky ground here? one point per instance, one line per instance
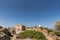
(5, 35)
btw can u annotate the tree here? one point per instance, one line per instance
(57, 25)
(32, 34)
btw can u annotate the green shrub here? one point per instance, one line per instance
(57, 33)
(32, 34)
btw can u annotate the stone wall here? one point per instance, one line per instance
(20, 28)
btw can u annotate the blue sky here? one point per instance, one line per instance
(29, 12)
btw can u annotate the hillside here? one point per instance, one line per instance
(36, 33)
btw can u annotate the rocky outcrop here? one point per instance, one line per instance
(4, 36)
